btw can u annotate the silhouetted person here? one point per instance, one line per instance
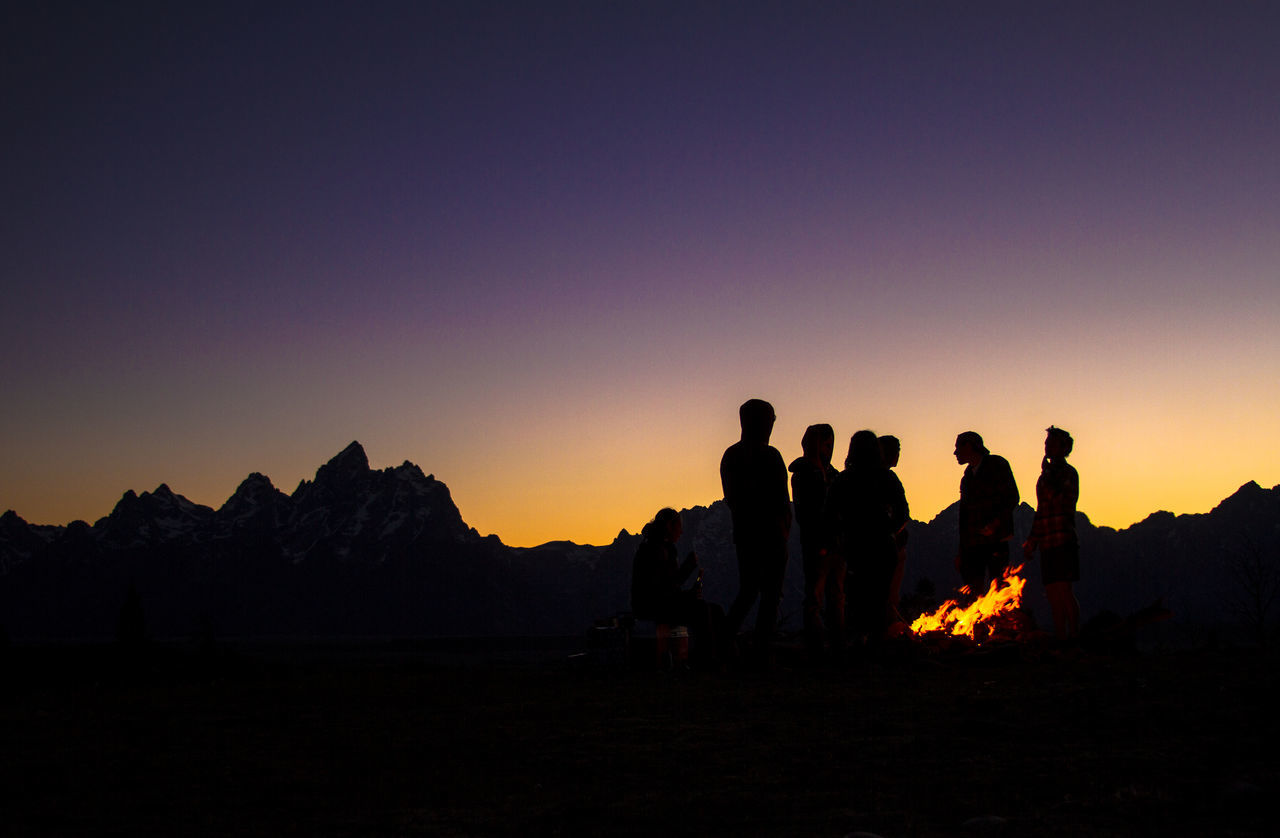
(988, 496)
(824, 569)
(891, 450)
(861, 518)
(657, 592)
(754, 478)
(1053, 531)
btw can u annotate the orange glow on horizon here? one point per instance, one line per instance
(574, 498)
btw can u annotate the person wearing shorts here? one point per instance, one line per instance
(1053, 532)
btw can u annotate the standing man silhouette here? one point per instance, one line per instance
(754, 478)
(988, 496)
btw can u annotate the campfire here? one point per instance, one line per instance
(994, 613)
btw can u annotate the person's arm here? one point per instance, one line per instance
(729, 479)
(1004, 496)
(1011, 495)
(784, 496)
(898, 504)
(687, 567)
(1043, 494)
(833, 516)
(800, 493)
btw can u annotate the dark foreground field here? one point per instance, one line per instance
(1017, 743)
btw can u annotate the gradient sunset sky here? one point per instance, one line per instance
(545, 250)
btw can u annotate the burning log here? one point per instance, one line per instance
(994, 615)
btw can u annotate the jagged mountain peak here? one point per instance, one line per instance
(340, 476)
(1247, 493)
(349, 459)
(129, 504)
(161, 498)
(411, 472)
(165, 498)
(256, 494)
(256, 479)
(348, 467)
(152, 517)
(945, 515)
(255, 485)
(1249, 499)
(1158, 518)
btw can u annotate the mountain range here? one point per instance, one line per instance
(386, 553)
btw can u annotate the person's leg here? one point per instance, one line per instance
(881, 611)
(1071, 606)
(857, 589)
(1060, 567)
(773, 569)
(972, 567)
(1070, 576)
(835, 569)
(997, 564)
(701, 618)
(1057, 606)
(893, 614)
(1066, 609)
(815, 587)
(748, 587)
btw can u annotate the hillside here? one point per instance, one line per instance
(364, 552)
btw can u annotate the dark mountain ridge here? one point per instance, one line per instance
(364, 552)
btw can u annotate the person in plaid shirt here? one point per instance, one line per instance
(1054, 531)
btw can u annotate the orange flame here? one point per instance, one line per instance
(950, 618)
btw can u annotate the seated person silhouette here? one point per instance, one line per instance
(657, 577)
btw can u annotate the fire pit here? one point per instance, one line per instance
(996, 615)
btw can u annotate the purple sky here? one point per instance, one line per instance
(544, 250)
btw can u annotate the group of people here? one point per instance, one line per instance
(853, 538)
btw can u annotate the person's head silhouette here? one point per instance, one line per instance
(757, 418)
(891, 449)
(818, 443)
(665, 526)
(864, 451)
(1057, 443)
(969, 448)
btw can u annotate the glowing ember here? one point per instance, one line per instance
(950, 618)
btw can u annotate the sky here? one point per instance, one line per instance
(545, 250)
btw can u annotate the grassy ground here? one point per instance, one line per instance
(1016, 743)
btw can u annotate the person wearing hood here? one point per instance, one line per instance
(811, 476)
